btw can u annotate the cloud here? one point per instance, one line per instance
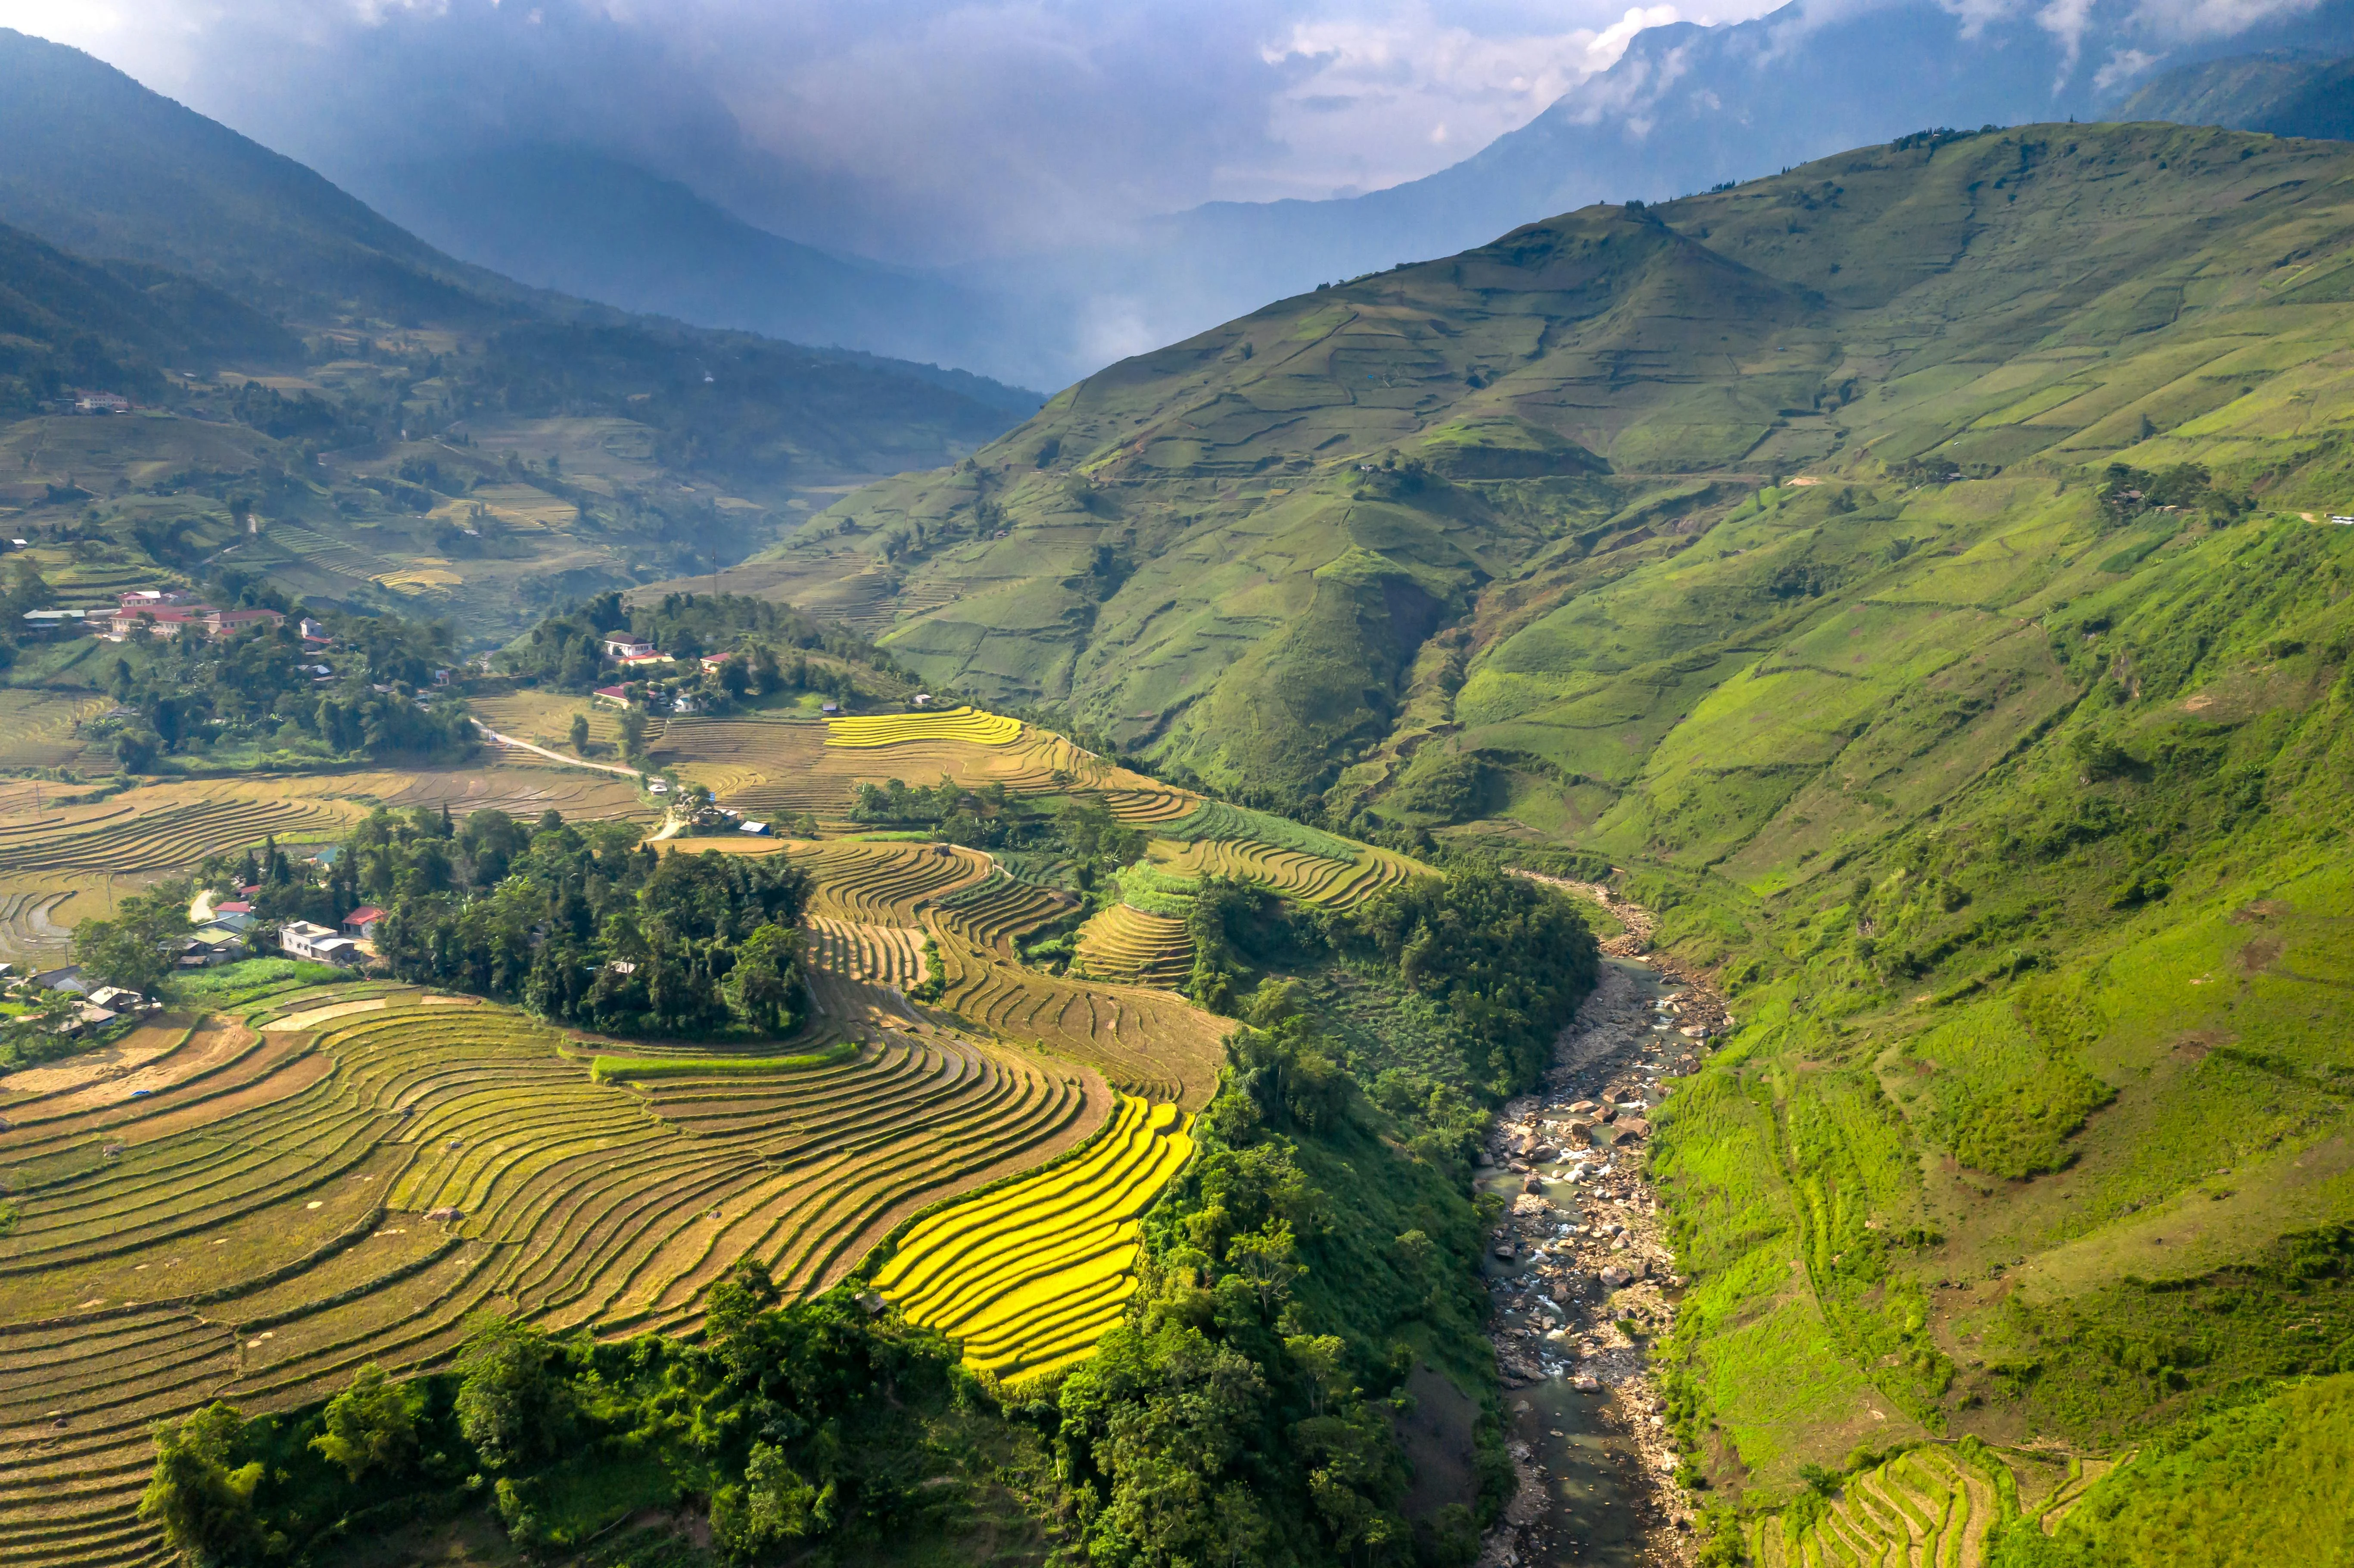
(1426, 88)
(917, 130)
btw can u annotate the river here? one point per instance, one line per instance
(1584, 1278)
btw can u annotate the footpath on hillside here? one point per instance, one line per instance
(1582, 1273)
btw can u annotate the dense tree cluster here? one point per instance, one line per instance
(583, 924)
(1242, 1413)
(1507, 959)
(192, 692)
(803, 1424)
(992, 817)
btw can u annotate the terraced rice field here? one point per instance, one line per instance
(1125, 944)
(1921, 1510)
(1155, 805)
(1030, 1275)
(261, 1222)
(970, 726)
(989, 915)
(878, 955)
(37, 915)
(790, 766)
(1145, 1042)
(1296, 874)
(886, 884)
(37, 728)
(166, 828)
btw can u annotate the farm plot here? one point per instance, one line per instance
(286, 1204)
(1311, 877)
(35, 924)
(770, 765)
(968, 725)
(1144, 1042)
(876, 954)
(1920, 1507)
(167, 827)
(1030, 1275)
(990, 914)
(1146, 806)
(41, 729)
(1125, 944)
(886, 884)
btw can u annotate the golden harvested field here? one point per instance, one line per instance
(1150, 1043)
(1312, 878)
(989, 914)
(278, 1188)
(886, 884)
(967, 725)
(322, 1177)
(1125, 944)
(766, 767)
(166, 827)
(1030, 1275)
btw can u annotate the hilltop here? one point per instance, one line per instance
(1916, 578)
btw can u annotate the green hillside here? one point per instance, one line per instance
(1917, 574)
(1196, 555)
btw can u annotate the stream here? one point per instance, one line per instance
(1583, 1277)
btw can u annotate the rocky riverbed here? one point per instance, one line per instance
(1585, 1280)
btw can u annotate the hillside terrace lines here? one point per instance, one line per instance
(970, 726)
(168, 838)
(1144, 1042)
(1310, 877)
(790, 766)
(1921, 1509)
(577, 1203)
(879, 955)
(991, 914)
(1030, 1275)
(886, 884)
(1125, 944)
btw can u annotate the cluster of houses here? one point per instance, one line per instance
(635, 653)
(97, 1007)
(163, 613)
(222, 937)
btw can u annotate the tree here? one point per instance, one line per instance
(633, 732)
(134, 948)
(580, 735)
(512, 1405)
(205, 1507)
(372, 1424)
(766, 980)
(134, 751)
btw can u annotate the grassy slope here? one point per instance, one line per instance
(2017, 826)
(1194, 553)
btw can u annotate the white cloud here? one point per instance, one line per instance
(1379, 94)
(2123, 66)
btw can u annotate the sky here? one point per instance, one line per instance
(920, 132)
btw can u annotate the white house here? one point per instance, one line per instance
(627, 648)
(303, 939)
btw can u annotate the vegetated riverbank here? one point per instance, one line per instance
(1585, 1280)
